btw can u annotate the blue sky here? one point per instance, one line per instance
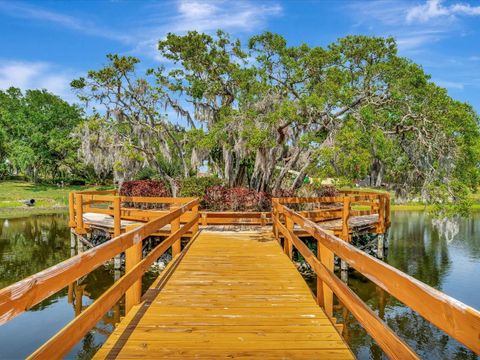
(46, 44)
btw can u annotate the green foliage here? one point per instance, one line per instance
(36, 128)
(196, 186)
(270, 114)
(147, 173)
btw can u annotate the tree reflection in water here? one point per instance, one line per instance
(418, 249)
(29, 245)
(32, 244)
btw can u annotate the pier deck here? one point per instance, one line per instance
(232, 295)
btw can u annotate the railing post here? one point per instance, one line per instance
(263, 219)
(117, 216)
(288, 242)
(79, 214)
(345, 235)
(195, 214)
(274, 219)
(381, 215)
(324, 293)
(345, 218)
(133, 255)
(117, 228)
(71, 210)
(174, 226)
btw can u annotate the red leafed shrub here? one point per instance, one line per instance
(314, 190)
(326, 191)
(284, 193)
(145, 188)
(220, 198)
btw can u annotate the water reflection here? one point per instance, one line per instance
(32, 244)
(418, 249)
(29, 245)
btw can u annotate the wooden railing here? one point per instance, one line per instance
(342, 207)
(455, 318)
(23, 295)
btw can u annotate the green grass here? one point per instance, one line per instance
(48, 198)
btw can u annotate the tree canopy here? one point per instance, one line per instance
(266, 114)
(36, 134)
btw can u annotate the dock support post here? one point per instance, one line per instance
(80, 246)
(380, 246)
(345, 236)
(73, 239)
(133, 255)
(386, 240)
(174, 226)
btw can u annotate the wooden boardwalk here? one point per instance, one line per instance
(232, 295)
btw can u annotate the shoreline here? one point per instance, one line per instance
(19, 212)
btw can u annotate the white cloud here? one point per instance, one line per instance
(202, 16)
(415, 39)
(433, 9)
(36, 75)
(388, 18)
(221, 14)
(450, 84)
(31, 12)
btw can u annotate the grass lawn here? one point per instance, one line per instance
(48, 198)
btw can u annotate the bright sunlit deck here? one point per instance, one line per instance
(235, 294)
(232, 295)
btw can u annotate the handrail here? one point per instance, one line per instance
(23, 295)
(137, 199)
(393, 346)
(302, 200)
(338, 208)
(455, 318)
(61, 343)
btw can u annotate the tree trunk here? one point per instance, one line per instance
(299, 179)
(286, 169)
(376, 173)
(173, 185)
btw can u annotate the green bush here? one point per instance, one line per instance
(147, 173)
(196, 186)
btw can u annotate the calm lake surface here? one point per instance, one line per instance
(29, 245)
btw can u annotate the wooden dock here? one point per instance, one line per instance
(235, 294)
(231, 296)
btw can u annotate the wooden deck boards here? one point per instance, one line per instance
(233, 295)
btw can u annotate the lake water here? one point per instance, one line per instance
(32, 244)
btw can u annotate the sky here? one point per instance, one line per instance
(46, 44)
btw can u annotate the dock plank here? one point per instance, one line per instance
(233, 295)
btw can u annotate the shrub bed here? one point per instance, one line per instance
(220, 198)
(145, 188)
